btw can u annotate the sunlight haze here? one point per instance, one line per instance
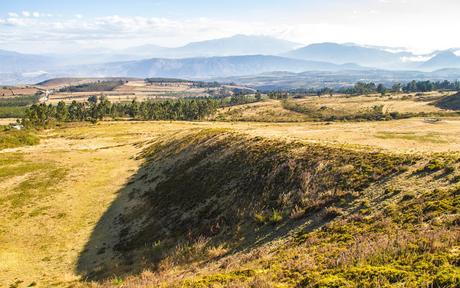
(68, 26)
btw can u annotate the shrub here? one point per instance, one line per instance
(260, 218)
(408, 196)
(276, 217)
(332, 281)
(447, 277)
(333, 212)
(297, 213)
(13, 139)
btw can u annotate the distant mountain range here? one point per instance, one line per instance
(212, 67)
(13, 62)
(234, 56)
(445, 59)
(343, 53)
(232, 46)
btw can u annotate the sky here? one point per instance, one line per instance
(65, 26)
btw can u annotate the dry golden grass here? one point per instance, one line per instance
(266, 111)
(74, 174)
(331, 106)
(402, 103)
(6, 121)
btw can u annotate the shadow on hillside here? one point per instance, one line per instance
(116, 249)
(209, 186)
(451, 102)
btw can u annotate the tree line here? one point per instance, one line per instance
(96, 109)
(365, 88)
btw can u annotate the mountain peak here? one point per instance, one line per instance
(444, 59)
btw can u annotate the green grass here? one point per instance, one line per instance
(40, 179)
(412, 136)
(37, 186)
(12, 112)
(13, 139)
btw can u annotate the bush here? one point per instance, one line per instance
(260, 218)
(408, 196)
(333, 212)
(276, 217)
(13, 139)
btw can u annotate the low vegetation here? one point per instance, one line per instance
(10, 138)
(375, 113)
(235, 211)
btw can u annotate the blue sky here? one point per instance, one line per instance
(64, 25)
(159, 8)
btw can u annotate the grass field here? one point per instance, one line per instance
(336, 107)
(55, 193)
(71, 195)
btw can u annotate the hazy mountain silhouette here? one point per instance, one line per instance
(212, 66)
(445, 59)
(341, 53)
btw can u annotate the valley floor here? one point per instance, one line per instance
(55, 193)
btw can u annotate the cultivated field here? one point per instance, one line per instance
(9, 92)
(139, 90)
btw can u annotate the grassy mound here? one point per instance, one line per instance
(226, 209)
(449, 102)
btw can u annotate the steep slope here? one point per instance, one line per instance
(213, 208)
(449, 102)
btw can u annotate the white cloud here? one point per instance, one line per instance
(417, 58)
(401, 23)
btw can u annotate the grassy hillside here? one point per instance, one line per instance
(236, 210)
(451, 102)
(13, 139)
(217, 204)
(342, 108)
